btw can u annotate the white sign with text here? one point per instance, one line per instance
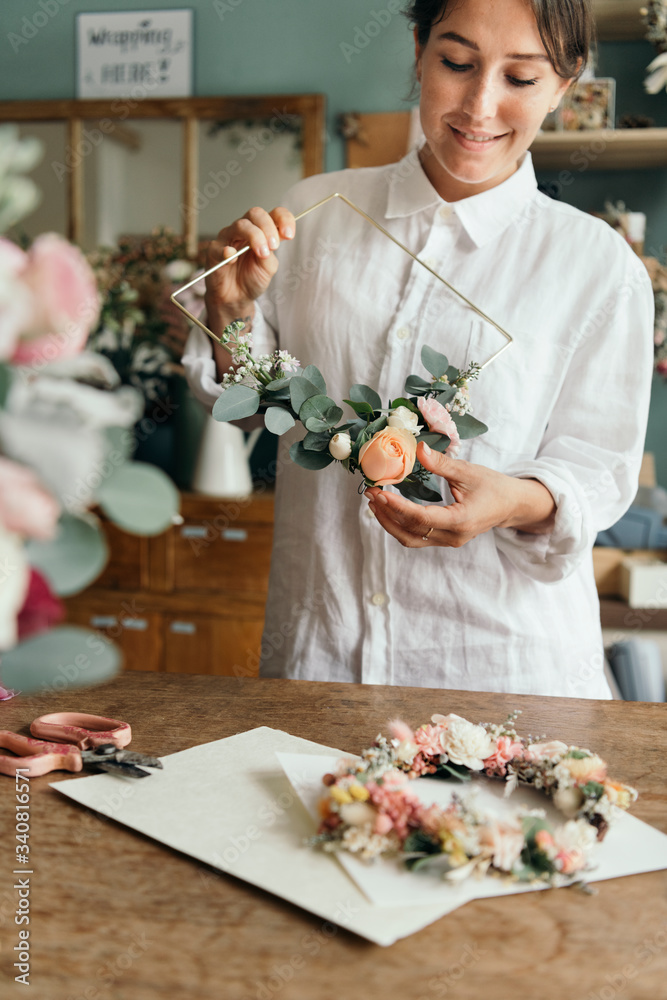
(135, 54)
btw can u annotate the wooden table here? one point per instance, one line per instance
(116, 915)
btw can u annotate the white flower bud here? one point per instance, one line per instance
(405, 418)
(340, 446)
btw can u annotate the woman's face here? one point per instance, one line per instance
(486, 86)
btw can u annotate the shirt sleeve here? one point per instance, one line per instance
(199, 363)
(591, 452)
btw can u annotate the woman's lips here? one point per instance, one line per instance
(475, 143)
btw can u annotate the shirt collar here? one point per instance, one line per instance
(483, 216)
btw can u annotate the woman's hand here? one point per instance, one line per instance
(231, 291)
(484, 498)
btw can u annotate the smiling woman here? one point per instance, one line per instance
(491, 589)
(489, 74)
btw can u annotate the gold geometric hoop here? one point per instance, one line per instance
(319, 204)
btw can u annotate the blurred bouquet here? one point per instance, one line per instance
(654, 13)
(139, 330)
(64, 446)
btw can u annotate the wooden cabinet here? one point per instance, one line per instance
(190, 600)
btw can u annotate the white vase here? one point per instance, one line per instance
(223, 461)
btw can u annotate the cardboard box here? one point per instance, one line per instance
(643, 579)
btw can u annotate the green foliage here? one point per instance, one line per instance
(364, 394)
(315, 376)
(593, 790)
(438, 442)
(74, 558)
(313, 460)
(278, 420)
(301, 389)
(434, 362)
(61, 659)
(235, 403)
(139, 498)
(319, 413)
(468, 426)
(5, 383)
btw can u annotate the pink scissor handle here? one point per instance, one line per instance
(85, 731)
(35, 756)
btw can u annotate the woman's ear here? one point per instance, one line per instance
(418, 56)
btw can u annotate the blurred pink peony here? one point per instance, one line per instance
(16, 301)
(440, 421)
(25, 506)
(66, 303)
(41, 609)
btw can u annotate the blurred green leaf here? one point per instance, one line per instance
(434, 362)
(63, 659)
(309, 459)
(416, 386)
(318, 413)
(315, 376)
(278, 421)
(468, 426)
(139, 498)
(235, 403)
(438, 442)
(72, 560)
(364, 394)
(447, 395)
(300, 390)
(5, 383)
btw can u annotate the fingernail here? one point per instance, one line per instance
(381, 497)
(288, 233)
(274, 242)
(264, 251)
(427, 450)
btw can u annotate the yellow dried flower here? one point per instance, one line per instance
(340, 795)
(359, 793)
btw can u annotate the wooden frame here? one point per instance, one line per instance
(190, 111)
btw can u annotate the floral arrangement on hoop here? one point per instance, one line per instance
(380, 442)
(371, 811)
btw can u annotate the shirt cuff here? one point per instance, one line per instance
(550, 557)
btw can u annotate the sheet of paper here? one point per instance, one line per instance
(230, 805)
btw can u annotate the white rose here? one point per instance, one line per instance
(340, 446)
(405, 418)
(468, 744)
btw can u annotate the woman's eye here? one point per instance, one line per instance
(456, 67)
(516, 82)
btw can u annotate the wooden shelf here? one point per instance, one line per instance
(615, 613)
(618, 20)
(604, 149)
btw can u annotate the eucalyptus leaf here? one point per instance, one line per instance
(418, 491)
(139, 498)
(278, 389)
(74, 558)
(468, 426)
(309, 459)
(316, 442)
(364, 394)
(315, 376)
(403, 401)
(61, 659)
(5, 383)
(321, 408)
(452, 373)
(438, 442)
(120, 440)
(301, 389)
(447, 395)
(359, 407)
(235, 403)
(416, 386)
(434, 362)
(278, 421)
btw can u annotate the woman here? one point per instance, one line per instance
(494, 591)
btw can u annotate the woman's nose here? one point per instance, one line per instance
(481, 98)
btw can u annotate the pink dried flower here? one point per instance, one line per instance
(429, 739)
(506, 750)
(25, 506)
(440, 421)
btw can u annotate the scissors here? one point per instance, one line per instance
(72, 741)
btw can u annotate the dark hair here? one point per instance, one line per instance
(565, 26)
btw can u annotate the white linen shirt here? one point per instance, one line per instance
(565, 404)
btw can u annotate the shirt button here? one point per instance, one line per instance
(403, 333)
(378, 600)
(445, 211)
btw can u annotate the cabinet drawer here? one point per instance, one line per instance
(127, 560)
(197, 644)
(234, 557)
(139, 635)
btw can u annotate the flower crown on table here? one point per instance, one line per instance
(379, 442)
(371, 811)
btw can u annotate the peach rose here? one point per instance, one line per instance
(440, 421)
(584, 769)
(389, 456)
